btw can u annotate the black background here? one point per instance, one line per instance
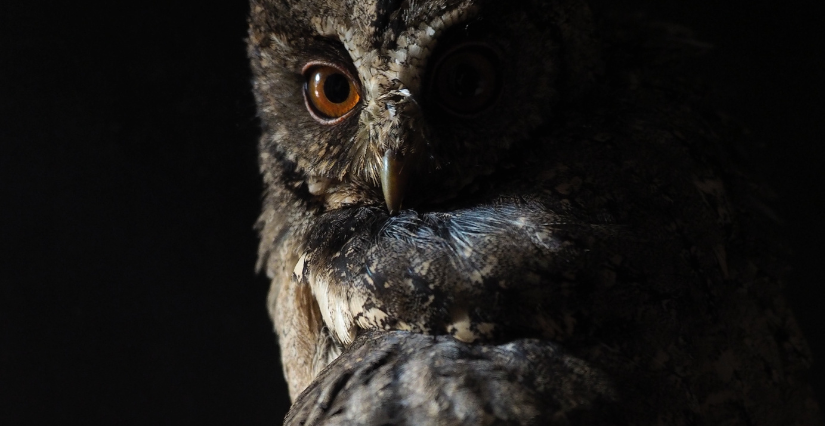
(129, 188)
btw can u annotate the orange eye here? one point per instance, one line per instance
(467, 80)
(330, 93)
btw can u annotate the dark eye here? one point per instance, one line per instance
(467, 80)
(330, 93)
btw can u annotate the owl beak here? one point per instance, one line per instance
(394, 175)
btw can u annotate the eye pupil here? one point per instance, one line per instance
(466, 81)
(336, 88)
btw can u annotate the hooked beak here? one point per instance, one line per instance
(395, 172)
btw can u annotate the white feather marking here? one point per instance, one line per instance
(461, 327)
(298, 271)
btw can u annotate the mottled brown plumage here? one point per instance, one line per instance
(573, 244)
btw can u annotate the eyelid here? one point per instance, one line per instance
(344, 70)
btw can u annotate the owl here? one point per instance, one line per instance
(490, 212)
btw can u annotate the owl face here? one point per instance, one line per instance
(402, 105)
